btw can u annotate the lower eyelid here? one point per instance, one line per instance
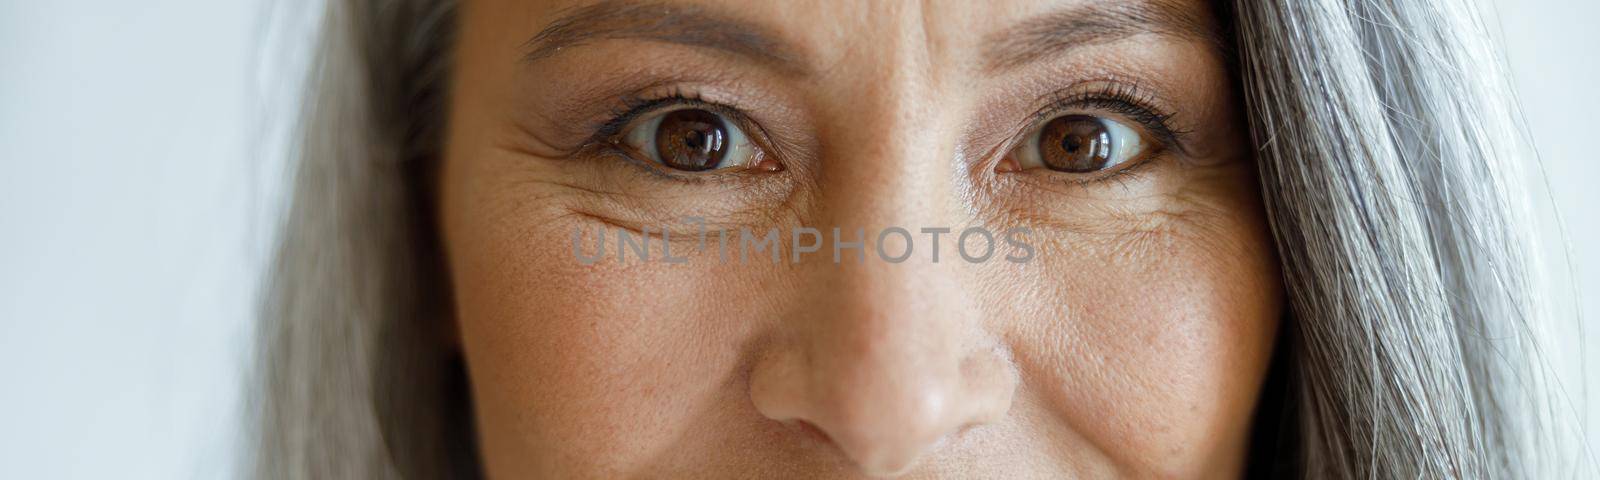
(1131, 169)
(655, 171)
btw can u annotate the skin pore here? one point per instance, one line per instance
(1133, 343)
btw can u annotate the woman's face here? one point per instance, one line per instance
(1122, 324)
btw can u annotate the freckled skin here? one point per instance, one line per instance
(1134, 344)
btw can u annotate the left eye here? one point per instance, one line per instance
(1079, 144)
(690, 139)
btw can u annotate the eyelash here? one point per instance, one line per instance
(632, 106)
(1125, 99)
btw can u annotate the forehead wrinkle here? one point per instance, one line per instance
(689, 25)
(1095, 24)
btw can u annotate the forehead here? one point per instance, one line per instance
(816, 33)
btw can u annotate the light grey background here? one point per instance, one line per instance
(139, 177)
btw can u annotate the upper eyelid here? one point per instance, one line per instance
(635, 110)
(666, 104)
(1062, 105)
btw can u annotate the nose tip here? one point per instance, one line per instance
(887, 441)
(883, 417)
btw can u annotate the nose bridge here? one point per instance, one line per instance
(886, 359)
(899, 330)
(888, 140)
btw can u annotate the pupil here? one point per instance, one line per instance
(691, 139)
(1075, 143)
(1072, 143)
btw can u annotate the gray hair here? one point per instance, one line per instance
(354, 377)
(1389, 160)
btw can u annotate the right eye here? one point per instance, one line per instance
(690, 139)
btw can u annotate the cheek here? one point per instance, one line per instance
(1159, 339)
(595, 368)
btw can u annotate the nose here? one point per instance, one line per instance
(886, 364)
(886, 360)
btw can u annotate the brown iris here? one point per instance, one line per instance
(1075, 143)
(691, 139)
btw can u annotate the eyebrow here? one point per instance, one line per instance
(678, 24)
(1094, 24)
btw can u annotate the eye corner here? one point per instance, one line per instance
(765, 163)
(1008, 163)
